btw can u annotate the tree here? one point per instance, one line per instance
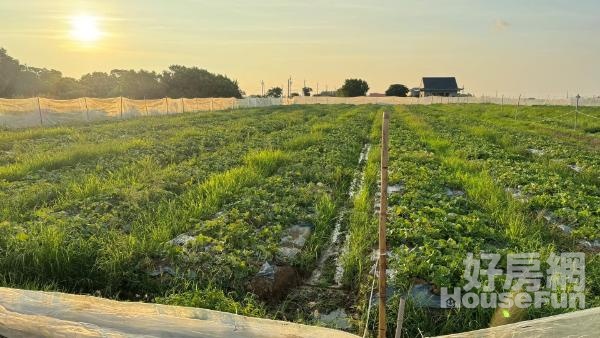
(137, 85)
(9, 71)
(397, 90)
(68, 88)
(306, 91)
(275, 92)
(354, 87)
(182, 81)
(17, 80)
(99, 84)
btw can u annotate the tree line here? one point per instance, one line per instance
(351, 88)
(21, 81)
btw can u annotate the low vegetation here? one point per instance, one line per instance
(188, 209)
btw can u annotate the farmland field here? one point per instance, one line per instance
(207, 209)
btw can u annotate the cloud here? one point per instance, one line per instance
(501, 25)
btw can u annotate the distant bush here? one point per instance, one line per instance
(592, 130)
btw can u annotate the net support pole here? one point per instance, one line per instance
(146, 106)
(212, 104)
(167, 104)
(40, 111)
(400, 318)
(182, 106)
(382, 225)
(87, 110)
(576, 110)
(518, 106)
(121, 108)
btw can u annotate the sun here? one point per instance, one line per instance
(84, 28)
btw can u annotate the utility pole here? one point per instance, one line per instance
(382, 226)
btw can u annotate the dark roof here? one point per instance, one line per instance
(440, 83)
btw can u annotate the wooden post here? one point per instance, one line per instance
(87, 110)
(145, 106)
(518, 106)
(211, 104)
(167, 104)
(40, 111)
(382, 220)
(576, 110)
(400, 318)
(121, 106)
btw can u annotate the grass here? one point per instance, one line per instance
(434, 151)
(93, 208)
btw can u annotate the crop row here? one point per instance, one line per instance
(464, 181)
(95, 208)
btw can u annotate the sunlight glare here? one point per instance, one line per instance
(84, 28)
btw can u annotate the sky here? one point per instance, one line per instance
(537, 48)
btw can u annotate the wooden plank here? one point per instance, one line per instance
(42, 314)
(583, 323)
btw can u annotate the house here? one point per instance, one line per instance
(440, 86)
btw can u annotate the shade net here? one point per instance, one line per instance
(21, 113)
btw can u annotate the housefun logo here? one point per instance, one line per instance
(522, 286)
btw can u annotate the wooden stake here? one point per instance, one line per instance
(40, 111)
(121, 106)
(146, 106)
(576, 110)
(182, 106)
(87, 110)
(400, 318)
(167, 104)
(382, 220)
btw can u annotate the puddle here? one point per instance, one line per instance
(336, 319)
(423, 296)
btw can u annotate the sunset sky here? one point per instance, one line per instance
(535, 47)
